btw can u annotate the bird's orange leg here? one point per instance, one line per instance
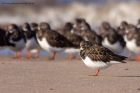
(97, 73)
(53, 56)
(29, 55)
(18, 55)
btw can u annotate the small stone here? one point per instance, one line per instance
(51, 89)
(126, 69)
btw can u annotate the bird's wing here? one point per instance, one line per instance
(100, 53)
(56, 39)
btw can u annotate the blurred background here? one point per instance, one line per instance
(57, 12)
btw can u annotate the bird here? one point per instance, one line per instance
(29, 31)
(16, 37)
(132, 38)
(83, 29)
(51, 41)
(110, 38)
(98, 57)
(68, 32)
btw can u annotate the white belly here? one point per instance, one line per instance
(95, 65)
(131, 45)
(116, 47)
(19, 45)
(46, 46)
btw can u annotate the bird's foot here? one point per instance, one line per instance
(52, 57)
(97, 73)
(18, 55)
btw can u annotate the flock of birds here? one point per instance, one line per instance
(97, 50)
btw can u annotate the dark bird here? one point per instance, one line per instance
(29, 31)
(111, 38)
(51, 41)
(15, 36)
(83, 29)
(68, 32)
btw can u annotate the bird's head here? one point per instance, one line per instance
(44, 26)
(68, 26)
(34, 26)
(85, 45)
(26, 27)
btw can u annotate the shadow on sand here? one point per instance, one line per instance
(129, 76)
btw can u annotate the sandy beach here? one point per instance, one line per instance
(62, 76)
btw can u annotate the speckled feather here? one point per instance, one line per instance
(100, 53)
(55, 39)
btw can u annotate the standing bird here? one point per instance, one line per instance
(98, 57)
(51, 41)
(31, 41)
(16, 37)
(111, 39)
(68, 32)
(83, 29)
(132, 38)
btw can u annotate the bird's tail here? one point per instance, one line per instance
(120, 58)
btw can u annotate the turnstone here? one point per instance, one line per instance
(132, 38)
(83, 29)
(16, 37)
(110, 38)
(68, 32)
(51, 41)
(98, 57)
(30, 35)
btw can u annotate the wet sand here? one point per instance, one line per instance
(63, 76)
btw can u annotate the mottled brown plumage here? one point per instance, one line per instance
(99, 53)
(69, 33)
(83, 29)
(53, 37)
